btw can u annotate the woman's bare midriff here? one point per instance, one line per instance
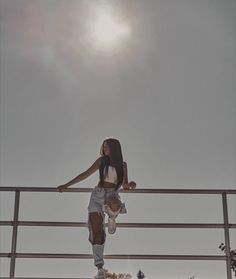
(108, 185)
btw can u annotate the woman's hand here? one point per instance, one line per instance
(62, 188)
(130, 185)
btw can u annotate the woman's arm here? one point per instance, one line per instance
(127, 185)
(95, 166)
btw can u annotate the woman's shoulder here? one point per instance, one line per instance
(99, 161)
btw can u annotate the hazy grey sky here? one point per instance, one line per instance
(167, 92)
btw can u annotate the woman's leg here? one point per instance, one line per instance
(114, 204)
(97, 229)
(97, 237)
(97, 226)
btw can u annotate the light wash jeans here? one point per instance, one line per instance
(98, 200)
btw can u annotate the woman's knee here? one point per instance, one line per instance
(96, 221)
(114, 204)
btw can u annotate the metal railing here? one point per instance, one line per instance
(13, 255)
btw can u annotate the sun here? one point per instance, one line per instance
(107, 31)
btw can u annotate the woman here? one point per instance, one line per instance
(113, 174)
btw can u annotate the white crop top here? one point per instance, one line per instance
(111, 175)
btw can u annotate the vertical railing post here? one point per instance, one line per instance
(226, 231)
(14, 234)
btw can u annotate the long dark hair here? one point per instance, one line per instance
(115, 159)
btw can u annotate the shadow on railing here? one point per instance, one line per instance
(15, 223)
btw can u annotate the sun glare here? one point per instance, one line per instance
(107, 31)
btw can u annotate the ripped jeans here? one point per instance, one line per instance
(99, 199)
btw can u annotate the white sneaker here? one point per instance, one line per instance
(111, 225)
(111, 218)
(100, 274)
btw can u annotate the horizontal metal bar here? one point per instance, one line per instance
(173, 225)
(5, 255)
(135, 191)
(46, 278)
(121, 256)
(166, 257)
(6, 223)
(120, 225)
